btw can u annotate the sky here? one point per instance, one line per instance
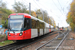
(57, 9)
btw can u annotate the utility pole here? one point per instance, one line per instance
(43, 15)
(30, 8)
(48, 19)
(53, 22)
(58, 26)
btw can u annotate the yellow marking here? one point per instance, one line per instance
(59, 38)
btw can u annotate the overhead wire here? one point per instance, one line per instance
(37, 4)
(28, 3)
(60, 6)
(67, 6)
(47, 8)
(42, 5)
(57, 7)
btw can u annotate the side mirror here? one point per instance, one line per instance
(6, 19)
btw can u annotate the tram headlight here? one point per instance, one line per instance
(9, 34)
(20, 33)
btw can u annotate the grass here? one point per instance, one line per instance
(2, 36)
(5, 42)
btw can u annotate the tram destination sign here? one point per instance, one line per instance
(16, 17)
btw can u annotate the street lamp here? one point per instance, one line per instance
(30, 8)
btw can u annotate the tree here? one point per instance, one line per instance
(2, 5)
(20, 8)
(47, 18)
(40, 12)
(4, 14)
(33, 13)
(71, 16)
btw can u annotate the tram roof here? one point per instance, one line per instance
(28, 15)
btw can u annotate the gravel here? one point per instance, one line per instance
(39, 43)
(68, 43)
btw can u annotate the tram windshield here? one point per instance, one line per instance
(16, 25)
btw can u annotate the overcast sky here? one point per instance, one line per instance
(57, 9)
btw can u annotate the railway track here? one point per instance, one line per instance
(18, 46)
(54, 43)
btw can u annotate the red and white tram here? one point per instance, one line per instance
(23, 26)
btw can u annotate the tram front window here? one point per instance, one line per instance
(16, 25)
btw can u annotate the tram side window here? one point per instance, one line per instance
(37, 24)
(26, 23)
(41, 25)
(34, 23)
